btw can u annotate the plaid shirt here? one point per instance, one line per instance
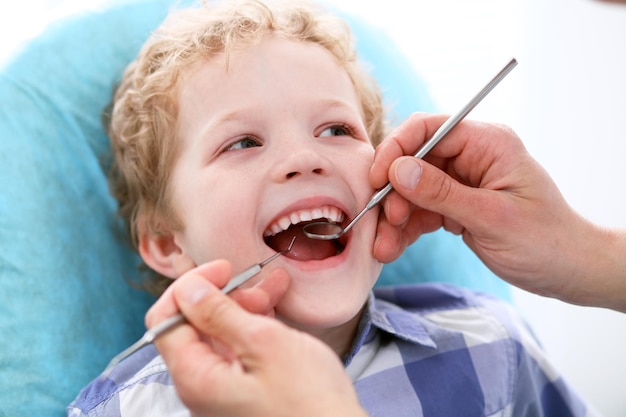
(421, 350)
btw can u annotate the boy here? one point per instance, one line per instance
(236, 126)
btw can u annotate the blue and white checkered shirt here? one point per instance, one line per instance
(421, 350)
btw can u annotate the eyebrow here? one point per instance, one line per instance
(336, 103)
(323, 105)
(231, 117)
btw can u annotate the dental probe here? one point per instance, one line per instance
(152, 334)
(324, 230)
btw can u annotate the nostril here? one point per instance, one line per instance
(293, 174)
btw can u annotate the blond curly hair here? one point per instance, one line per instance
(143, 120)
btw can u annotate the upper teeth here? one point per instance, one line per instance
(330, 213)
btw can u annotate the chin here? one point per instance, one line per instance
(330, 280)
(322, 303)
(319, 323)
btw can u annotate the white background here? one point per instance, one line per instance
(566, 99)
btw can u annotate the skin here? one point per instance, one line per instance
(263, 149)
(235, 363)
(481, 182)
(503, 203)
(496, 195)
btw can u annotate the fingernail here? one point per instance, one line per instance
(194, 290)
(408, 172)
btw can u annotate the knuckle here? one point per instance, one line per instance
(503, 128)
(503, 131)
(440, 189)
(149, 319)
(213, 310)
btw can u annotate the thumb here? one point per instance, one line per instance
(428, 187)
(212, 312)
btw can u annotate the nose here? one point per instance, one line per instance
(305, 160)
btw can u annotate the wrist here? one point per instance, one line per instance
(610, 278)
(599, 275)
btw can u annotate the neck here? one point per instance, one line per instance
(339, 338)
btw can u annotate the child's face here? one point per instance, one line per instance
(273, 134)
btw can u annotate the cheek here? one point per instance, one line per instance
(359, 170)
(205, 197)
(209, 215)
(210, 234)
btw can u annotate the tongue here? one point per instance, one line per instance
(304, 248)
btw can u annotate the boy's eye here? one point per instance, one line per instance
(336, 130)
(244, 143)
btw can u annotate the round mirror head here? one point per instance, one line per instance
(322, 231)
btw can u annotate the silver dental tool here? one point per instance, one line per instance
(324, 230)
(151, 335)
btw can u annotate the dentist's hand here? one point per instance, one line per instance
(480, 182)
(229, 362)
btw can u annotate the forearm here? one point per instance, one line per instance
(605, 279)
(598, 276)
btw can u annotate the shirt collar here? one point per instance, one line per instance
(381, 315)
(399, 322)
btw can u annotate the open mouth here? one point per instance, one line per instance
(279, 234)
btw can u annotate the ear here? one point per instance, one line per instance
(161, 253)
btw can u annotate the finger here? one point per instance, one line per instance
(213, 313)
(432, 189)
(403, 140)
(164, 307)
(396, 209)
(191, 286)
(195, 360)
(392, 240)
(263, 297)
(387, 246)
(218, 272)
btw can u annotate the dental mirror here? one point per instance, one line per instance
(329, 231)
